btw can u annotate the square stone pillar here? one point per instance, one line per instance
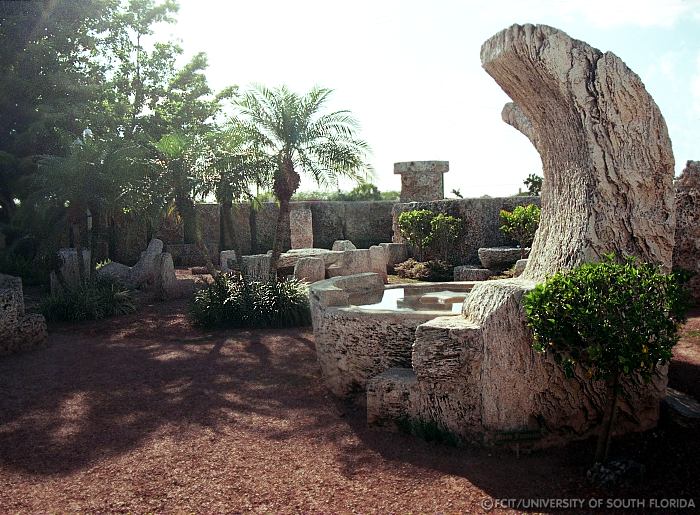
(301, 227)
(422, 181)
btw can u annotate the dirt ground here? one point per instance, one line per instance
(144, 413)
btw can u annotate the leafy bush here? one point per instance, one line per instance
(445, 234)
(232, 301)
(94, 300)
(415, 227)
(433, 270)
(32, 271)
(438, 234)
(533, 183)
(363, 191)
(521, 225)
(610, 318)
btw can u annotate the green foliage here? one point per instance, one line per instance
(32, 271)
(446, 233)
(521, 224)
(94, 300)
(533, 183)
(439, 234)
(364, 192)
(433, 270)
(610, 318)
(232, 301)
(415, 227)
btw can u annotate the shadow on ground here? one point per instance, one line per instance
(101, 390)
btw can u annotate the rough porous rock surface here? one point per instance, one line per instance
(353, 262)
(10, 282)
(602, 138)
(395, 253)
(256, 267)
(227, 258)
(310, 269)
(378, 261)
(353, 345)
(301, 227)
(686, 253)
(480, 217)
(343, 245)
(69, 269)
(165, 281)
(499, 258)
(608, 170)
(422, 181)
(19, 331)
(471, 273)
(144, 271)
(151, 271)
(520, 265)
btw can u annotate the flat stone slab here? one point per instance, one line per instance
(683, 409)
(443, 297)
(471, 273)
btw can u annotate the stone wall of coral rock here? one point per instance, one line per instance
(364, 223)
(686, 251)
(481, 217)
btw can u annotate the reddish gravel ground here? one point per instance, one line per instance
(143, 413)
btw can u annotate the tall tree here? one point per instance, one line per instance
(294, 130)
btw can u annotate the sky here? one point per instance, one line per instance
(410, 72)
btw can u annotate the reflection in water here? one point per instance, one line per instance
(395, 300)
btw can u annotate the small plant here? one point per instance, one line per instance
(432, 235)
(533, 183)
(93, 300)
(445, 234)
(433, 270)
(609, 319)
(521, 225)
(232, 301)
(415, 227)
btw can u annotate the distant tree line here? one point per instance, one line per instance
(98, 121)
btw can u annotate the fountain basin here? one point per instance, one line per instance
(362, 328)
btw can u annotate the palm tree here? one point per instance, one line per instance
(231, 167)
(294, 131)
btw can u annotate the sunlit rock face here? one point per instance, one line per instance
(686, 253)
(606, 154)
(608, 187)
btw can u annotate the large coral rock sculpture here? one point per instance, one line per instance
(608, 187)
(686, 253)
(19, 331)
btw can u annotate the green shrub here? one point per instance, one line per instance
(94, 300)
(446, 233)
(416, 229)
(433, 270)
(32, 271)
(231, 301)
(435, 236)
(612, 319)
(534, 184)
(521, 225)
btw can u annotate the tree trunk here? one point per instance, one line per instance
(253, 224)
(281, 229)
(75, 229)
(112, 239)
(186, 209)
(603, 447)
